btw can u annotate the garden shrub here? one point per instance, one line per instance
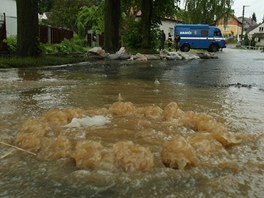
(11, 44)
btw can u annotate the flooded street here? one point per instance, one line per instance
(116, 128)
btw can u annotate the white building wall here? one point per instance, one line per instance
(256, 30)
(168, 26)
(9, 8)
(259, 29)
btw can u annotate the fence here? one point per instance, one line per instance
(53, 35)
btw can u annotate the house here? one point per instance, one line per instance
(167, 25)
(247, 24)
(257, 34)
(9, 8)
(230, 26)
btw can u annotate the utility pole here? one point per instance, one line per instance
(243, 14)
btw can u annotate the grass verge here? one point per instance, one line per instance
(43, 60)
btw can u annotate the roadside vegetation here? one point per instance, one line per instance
(38, 61)
(68, 51)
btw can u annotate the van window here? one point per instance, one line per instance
(217, 33)
(204, 33)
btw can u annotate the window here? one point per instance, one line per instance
(217, 33)
(226, 28)
(261, 29)
(204, 33)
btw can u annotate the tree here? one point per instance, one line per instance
(152, 14)
(27, 28)
(90, 18)
(65, 12)
(146, 23)
(254, 18)
(45, 5)
(246, 40)
(204, 11)
(164, 9)
(112, 15)
(143, 33)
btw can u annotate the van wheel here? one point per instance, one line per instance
(213, 48)
(185, 47)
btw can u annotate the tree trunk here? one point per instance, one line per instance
(146, 23)
(27, 28)
(112, 16)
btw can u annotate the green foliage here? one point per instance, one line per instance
(164, 9)
(90, 18)
(130, 30)
(253, 42)
(132, 37)
(185, 16)
(131, 34)
(65, 12)
(254, 18)
(45, 5)
(47, 60)
(130, 7)
(11, 44)
(131, 25)
(76, 44)
(155, 36)
(203, 11)
(246, 40)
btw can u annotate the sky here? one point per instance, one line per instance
(256, 6)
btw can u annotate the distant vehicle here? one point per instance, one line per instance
(199, 36)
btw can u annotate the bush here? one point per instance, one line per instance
(131, 34)
(253, 42)
(11, 44)
(246, 40)
(66, 46)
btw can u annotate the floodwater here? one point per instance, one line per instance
(135, 129)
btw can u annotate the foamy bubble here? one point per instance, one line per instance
(178, 153)
(88, 121)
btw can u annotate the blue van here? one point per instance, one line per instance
(199, 36)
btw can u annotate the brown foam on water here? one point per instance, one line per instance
(178, 153)
(87, 154)
(205, 145)
(180, 139)
(62, 117)
(57, 148)
(31, 134)
(132, 157)
(125, 155)
(172, 111)
(207, 123)
(150, 111)
(122, 108)
(226, 139)
(202, 122)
